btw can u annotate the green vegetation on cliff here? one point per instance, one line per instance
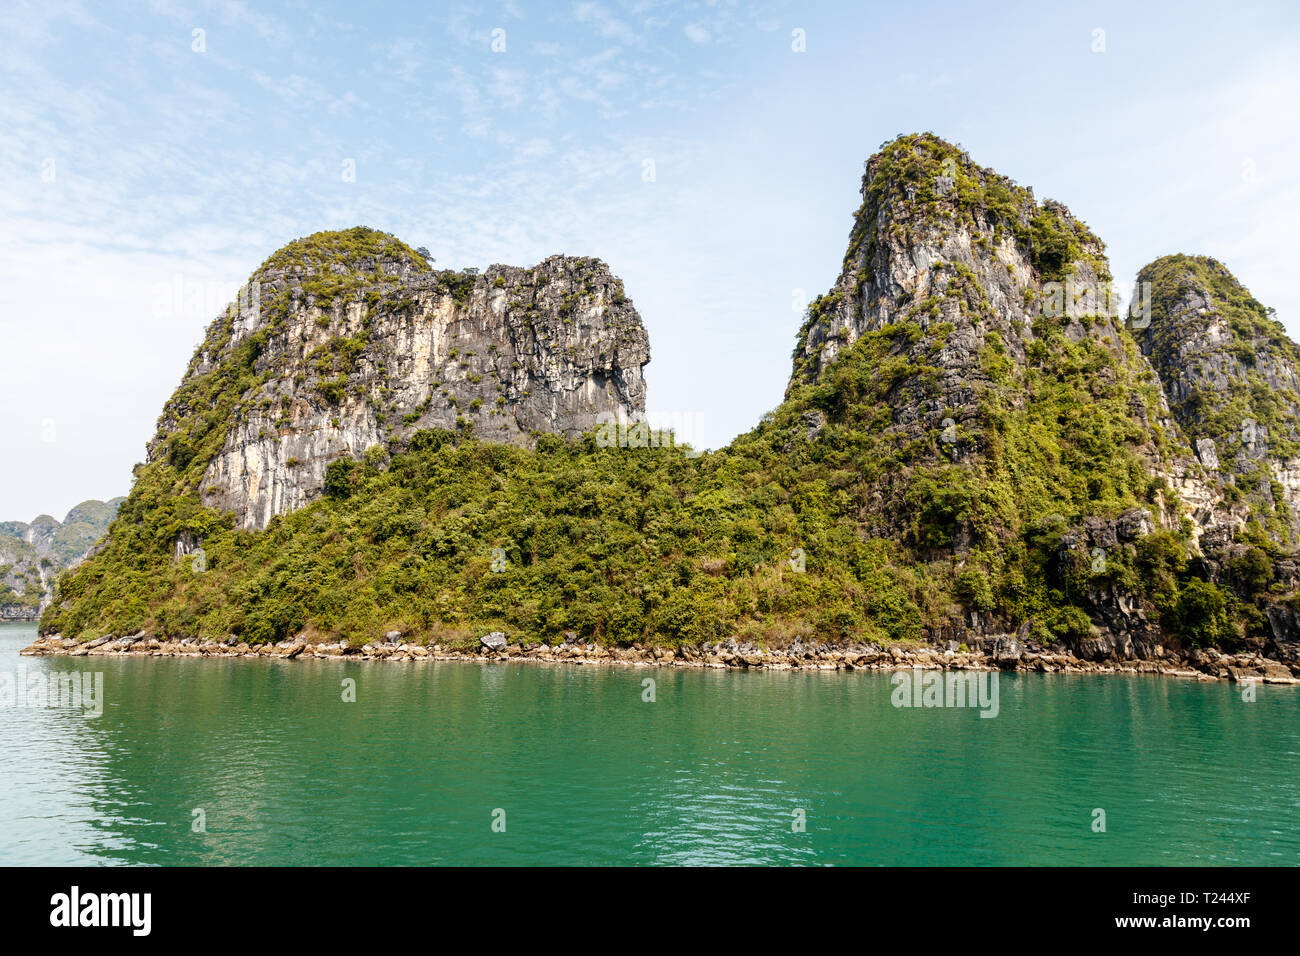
(340, 251)
(619, 544)
(777, 536)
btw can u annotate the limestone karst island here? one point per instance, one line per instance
(983, 459)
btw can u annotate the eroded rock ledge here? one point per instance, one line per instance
(1206, 664)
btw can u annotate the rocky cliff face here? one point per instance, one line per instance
(33, 554)
(1012, 299)
(940, 239)
(346, 341)
(1231, 376)
(1018, 409)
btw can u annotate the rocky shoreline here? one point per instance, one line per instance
(1206, 664)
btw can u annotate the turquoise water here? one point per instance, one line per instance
(587, 772)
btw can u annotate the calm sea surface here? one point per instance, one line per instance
(579, 769)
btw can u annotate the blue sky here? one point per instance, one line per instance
(149, 169)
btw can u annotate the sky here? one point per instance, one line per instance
(154, 154)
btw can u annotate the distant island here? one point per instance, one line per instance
(32, 555)
(978, 449)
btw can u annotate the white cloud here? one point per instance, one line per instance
(696, 33)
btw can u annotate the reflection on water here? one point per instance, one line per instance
(718, 769)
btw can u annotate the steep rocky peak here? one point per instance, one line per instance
(1232, 377)
(346, 340)
(989, 323)
(935, 225)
